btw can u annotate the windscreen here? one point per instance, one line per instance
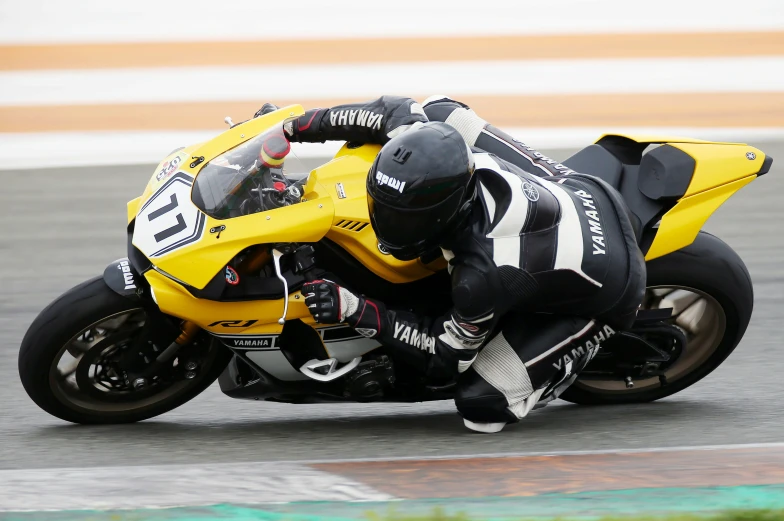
(259, 175)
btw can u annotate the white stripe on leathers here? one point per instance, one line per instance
(489, 201)
(570, 246)
(501, 367)
(506, 234)
(517, 151)
(561, 344)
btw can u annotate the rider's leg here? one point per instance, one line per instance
(533, 357)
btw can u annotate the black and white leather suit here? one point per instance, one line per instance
(545, 270)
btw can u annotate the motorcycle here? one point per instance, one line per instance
(227, 231)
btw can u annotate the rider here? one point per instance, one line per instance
(543, 260)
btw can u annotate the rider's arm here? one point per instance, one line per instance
(375, 121)
(480, 134)
(440, 347)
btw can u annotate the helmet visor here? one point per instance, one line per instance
(410, 233)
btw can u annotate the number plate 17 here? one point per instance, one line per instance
(169, 220)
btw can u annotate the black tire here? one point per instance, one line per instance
(710, 266)
(63, 319)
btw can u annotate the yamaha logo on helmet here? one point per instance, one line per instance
(383, 179)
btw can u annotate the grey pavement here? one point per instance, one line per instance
(60, 227)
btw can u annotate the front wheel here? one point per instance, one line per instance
(79, 357)
(709, 289)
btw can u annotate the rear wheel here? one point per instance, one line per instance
(85, 359)
(710, 292)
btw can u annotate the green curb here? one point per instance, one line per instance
(654, 501)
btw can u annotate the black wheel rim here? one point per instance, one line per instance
(87, 374)
(697, 314)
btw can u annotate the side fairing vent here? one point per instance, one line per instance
(353, 226)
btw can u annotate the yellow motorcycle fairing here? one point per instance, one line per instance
(721, 169)
(333, 205)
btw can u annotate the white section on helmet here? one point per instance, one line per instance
(467, 123)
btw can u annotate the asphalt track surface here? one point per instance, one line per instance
(60, 227)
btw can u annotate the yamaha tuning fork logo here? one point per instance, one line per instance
(530, 192)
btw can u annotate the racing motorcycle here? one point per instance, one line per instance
(227, 231)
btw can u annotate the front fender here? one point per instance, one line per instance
(123, 279)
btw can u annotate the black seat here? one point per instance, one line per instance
(597, 161)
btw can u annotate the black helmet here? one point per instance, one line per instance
(418, 189)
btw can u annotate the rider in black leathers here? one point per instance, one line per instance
(544, 261)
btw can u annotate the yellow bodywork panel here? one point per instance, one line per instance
(197, 263)
(721, 169)
(680, 226)
(179, 160)
(133, 208)
(304, 222)
(253, 317)
(719, 164)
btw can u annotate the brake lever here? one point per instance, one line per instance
(276, 255)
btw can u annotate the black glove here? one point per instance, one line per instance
(330, 303)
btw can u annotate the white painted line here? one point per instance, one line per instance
(360, 81)
(172, 20)
(557, 453)
(73, 149)
(164, 486)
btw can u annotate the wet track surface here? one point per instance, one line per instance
(61, 227)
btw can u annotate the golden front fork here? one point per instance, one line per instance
(189, 330)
